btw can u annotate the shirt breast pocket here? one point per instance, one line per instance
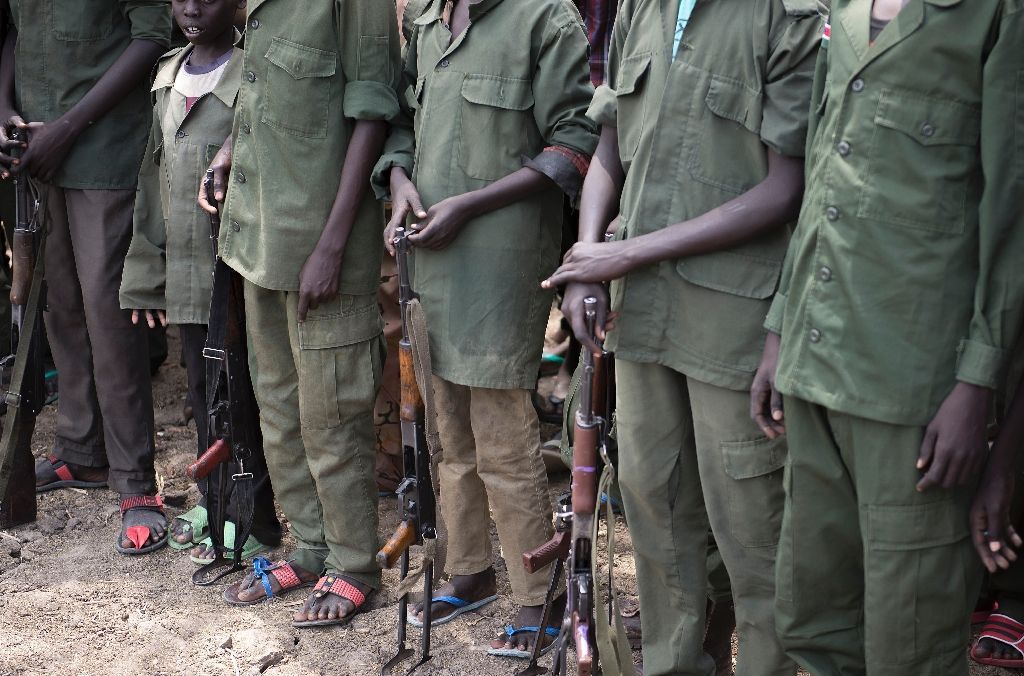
(630, 102)
(923, 159)
(496, 125)
(297, 95)
(728, 152)
(82, 20)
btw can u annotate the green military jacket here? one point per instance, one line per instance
(906, 271)
(308, 74)
(694, 133)
(169, 264)
(514, 83)
(63, 48)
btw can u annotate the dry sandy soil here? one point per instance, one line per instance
(70, 604)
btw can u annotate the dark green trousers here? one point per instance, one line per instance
(873, 577)
(690, 457)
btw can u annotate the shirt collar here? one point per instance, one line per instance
(226, 89)
(436, 10)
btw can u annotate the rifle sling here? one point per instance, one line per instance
(16, 417)
(613, 647)
(226, 312)
(432, 549)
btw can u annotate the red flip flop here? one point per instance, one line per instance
(58, 475)
(1005, 630)
(981, 612)
(140, 534)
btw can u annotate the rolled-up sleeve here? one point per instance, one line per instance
(150, 20)
(999, 292)
(400, 147)
(788, 80)
(562, 89)
(369, 49)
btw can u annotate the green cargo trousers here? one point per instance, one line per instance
(689, 455)
(873, 577)
(315, 383)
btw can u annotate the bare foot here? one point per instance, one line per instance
(155, 521)
(322, 605)
(529, 616)
(251, 587)
(469, 588)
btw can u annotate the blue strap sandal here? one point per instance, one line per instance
(461, 606)
(511, 631)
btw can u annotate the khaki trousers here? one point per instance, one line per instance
(874, 577)
(105, 410)
(315, 383)
(492, 466)
(689, 455)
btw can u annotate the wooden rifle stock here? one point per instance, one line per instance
(216, 454)
(23, 243)
(403, 538)
(555, 548)
(411, 402)
(23, 257)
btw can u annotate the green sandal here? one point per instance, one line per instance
(197, 521)
(250, 549)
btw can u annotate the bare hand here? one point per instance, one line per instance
(991, 529)
(11, 122)
(221, 167)
(48, 146)
(590, 262)
(318, 280)
(572, 308)
(151, 316)
(442, 223)
(405, 200)
(766, 401)
(954, 447)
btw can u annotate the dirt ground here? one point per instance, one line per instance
(70, 604)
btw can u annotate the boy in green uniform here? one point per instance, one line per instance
(703, 123)
(168, 272)
(497, 92)
(301, 226)
(899, 304)
(74, 76)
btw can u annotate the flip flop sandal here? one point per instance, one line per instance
(1005, 630)
(282, 571)
(511, 631)
(982, 613)
(139, 534)
(60, 471)
(197, 520)
(461, 606)
(333, 584)
(251, 548)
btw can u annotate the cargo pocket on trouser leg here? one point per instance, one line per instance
(335, 383)
(918, 565)
(755, 494)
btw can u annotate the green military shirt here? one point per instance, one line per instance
(906, 271)
(694, 132)
(63, 48)
(514, 83)
(310, 71)
(169, 264)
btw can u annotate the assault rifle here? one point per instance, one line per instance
(22, 370)
(416, 492)
(233, 427)
(572, 545)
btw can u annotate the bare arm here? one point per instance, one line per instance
(772, 203)
(321, 273)
(51, 141)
